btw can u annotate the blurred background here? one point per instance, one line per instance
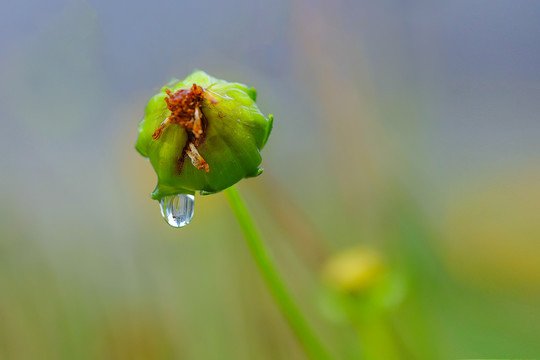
(409, 129)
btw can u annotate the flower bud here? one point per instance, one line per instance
(202, 134)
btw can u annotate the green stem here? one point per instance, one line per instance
(307, 338)
(378, 341)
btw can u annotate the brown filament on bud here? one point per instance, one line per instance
(161, 127)
(197, 123)
(196, 158)
(185, 110)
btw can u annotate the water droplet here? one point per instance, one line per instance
(177, 210)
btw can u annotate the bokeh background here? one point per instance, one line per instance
(409, 128)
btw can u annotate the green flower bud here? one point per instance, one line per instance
(202, 134)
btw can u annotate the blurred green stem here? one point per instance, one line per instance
(309, 341)
(378, 341)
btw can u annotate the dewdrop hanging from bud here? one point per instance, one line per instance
(177, 210)
(201, 134)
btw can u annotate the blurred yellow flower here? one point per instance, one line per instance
(353, 270)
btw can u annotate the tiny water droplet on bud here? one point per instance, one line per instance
(177, 210)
